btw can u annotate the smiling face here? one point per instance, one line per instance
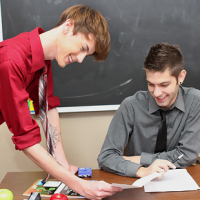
(73, 48)
(164, 87)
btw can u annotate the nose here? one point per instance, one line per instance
(157, 91)
(80, 57)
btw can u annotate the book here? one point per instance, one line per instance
(51, 187)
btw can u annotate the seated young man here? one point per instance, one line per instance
(137, 122)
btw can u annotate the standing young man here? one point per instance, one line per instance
(24, 60)
(137, 122)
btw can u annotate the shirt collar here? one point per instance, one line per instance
(38, 60)
(179, 103)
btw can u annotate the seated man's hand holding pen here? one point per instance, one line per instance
(159, 166)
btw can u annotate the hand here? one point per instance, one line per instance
(159, 166)
(73, 169)
(97, 189)
(88, 189)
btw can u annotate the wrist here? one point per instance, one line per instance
(80, 186)
(141, 172)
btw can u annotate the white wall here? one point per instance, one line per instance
(83, 135)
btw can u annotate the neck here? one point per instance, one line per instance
(48, 41)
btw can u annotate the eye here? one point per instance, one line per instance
(83, 48)
(164, 85)
(151, 85)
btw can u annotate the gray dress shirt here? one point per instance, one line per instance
(135, 126)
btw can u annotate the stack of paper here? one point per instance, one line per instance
(173, 180)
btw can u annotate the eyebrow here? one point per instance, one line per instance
(160, 83)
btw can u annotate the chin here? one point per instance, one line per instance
(62, 65)
(163, 106)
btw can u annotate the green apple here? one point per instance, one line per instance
(6, 194)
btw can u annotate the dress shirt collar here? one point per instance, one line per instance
(38, 60)
(179, 103)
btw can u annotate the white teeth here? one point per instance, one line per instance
(70, 58)
(161, 97)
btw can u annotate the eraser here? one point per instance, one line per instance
(85, 172)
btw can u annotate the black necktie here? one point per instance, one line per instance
(161, 142)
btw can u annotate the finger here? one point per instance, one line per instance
(106, 187)
(95, 198)
(165, 167)
(100, 195)
(160, 170)
(116, 189)
(105, 194)
(159, 177)
(111, 189)
(171, 165)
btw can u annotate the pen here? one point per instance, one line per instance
(178, 158)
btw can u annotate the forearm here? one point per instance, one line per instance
(117, 164)
(56, 138)
(88, 189)
(46, 162)
(135, 159)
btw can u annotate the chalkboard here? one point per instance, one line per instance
(135, 25)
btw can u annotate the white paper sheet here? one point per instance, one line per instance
(173, 180)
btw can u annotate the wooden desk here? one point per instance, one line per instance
(18, 182)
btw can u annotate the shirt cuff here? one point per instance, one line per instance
(53, 102)
(132, 169)
(146, 159)
(28, 139)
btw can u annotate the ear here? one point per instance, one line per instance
(181, 77)
(68, 26)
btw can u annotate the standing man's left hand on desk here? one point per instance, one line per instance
(73, 169)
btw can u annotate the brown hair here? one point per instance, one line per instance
(163, 56)
(89, 21)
